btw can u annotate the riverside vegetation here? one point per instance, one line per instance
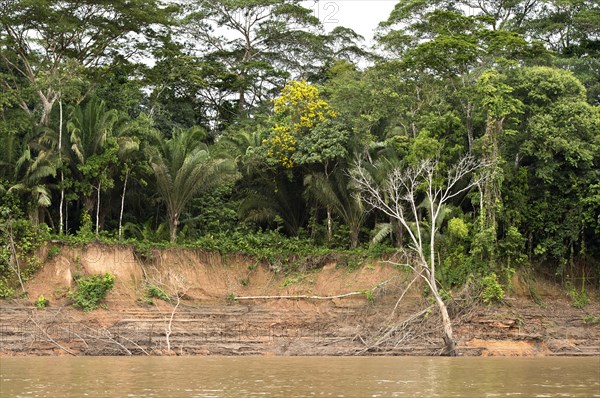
(467, 149)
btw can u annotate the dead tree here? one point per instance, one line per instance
(397, 196)
(175, 287)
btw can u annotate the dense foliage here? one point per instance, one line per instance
(91, 290)
(240, 122)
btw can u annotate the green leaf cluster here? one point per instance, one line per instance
(91, 290)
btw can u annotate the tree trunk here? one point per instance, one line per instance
(243, 73)
(88, 204)
(48, 216)
(98, 209)
(491, 187)
(62, 175)
(173, 224)
(47, 104)
(123, 205)
(354, 230)
(34, 215)
(329, 225)
(398, 232)
(469, 125)
(242, 100)
(450, 345)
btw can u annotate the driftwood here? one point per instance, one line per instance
(301, 296)
(50, 338)
(391, 330)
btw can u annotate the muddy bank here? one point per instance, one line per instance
(209, 321)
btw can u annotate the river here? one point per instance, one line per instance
(298, 377)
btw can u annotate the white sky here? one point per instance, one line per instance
(361, 15)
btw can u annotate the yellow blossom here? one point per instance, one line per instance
(300, 108)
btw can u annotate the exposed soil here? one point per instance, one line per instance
(206, 321)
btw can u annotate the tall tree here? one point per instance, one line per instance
(298, 111)
(557, 153)
(185, 90)
(93, 151)
(505, 14)
(32, 171)
(275, 200)
(182, 168)
(454, 49)
(397, 196)
(337, 191)
(566, 26)
(48, 42)
(260, 42)
(130, 160)
(498, 104)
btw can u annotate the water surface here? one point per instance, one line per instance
(298, 377)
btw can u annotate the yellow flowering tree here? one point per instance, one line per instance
(298, 110)
(281, 145)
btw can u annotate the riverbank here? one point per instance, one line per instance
(349, 311)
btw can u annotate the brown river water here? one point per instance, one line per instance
(298, 377)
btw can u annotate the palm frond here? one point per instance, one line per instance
(183, 167)
(381, 231)
(42, 193)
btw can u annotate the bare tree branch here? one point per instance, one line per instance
(396, 196)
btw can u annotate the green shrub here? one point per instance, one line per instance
(292, 280)
(41, 302)
(33, 265)
(456, 267)
(378, 251)
(591, 319)
(85, 231)
(351, 262)
(458, 229)
(27, 238)
(5, 291)
(53, 252)
(369, 295)
(230, 298)
(579, 298)
(512, 248)
(266, 246)
(483, 250)
(492, 290)
(156, 292)
(91, 290)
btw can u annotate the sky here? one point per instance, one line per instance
(361, 15)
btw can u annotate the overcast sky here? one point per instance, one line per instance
(361, 15)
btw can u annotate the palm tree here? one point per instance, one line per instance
(182, 168)
(31, 172)
(275, 198)
(244, 144)
(89, 128)
(93, 149)
(336, 192)
(10, 151)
